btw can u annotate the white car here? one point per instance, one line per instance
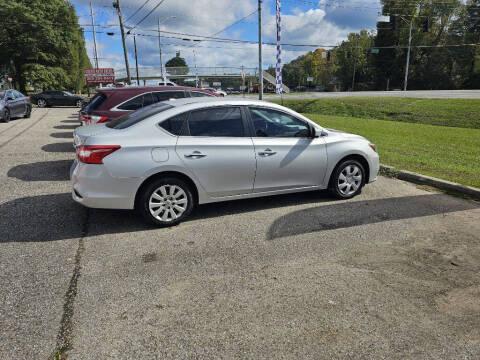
(166, 158)
(216, 91)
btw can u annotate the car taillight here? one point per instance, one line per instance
(94, 154)
(86, 118)
(98, 119)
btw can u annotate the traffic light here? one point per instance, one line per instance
(426, 25)
(393, 22)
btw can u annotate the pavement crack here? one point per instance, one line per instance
(65, 333)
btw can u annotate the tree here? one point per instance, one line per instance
(42, 44)
(179, 64)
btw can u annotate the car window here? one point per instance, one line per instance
(9, 95)
(2, 94)
(148, 99)
(218, 121)
(174, 125)
(167, 95)
(133, 118)
(133, 104)
(57, 93)
(274, 123)
(17, 94)
(200, 94)
(96, 101)
(68, 93)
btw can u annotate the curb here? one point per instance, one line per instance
(430, 181)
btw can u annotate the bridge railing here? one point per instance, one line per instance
(151, 71)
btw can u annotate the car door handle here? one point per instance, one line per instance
(195, 155)
(267, 152)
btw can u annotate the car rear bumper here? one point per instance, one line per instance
(94, 187)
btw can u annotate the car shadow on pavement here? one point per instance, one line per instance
(42, 171)
(71, 122)
(58, 217)
(354, 213)
(66, 127)
(62, 135)
(59, 147)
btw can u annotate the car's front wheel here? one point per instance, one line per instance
(166, 201)
(78, 104)
(347, 179)
(41, 103)
(28, 112)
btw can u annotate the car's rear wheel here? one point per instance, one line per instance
(41, 103)
(79, 103)
(347, 179)
(166, 201)
(6, 116)
(28, 113)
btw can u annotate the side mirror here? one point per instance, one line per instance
(314, 133)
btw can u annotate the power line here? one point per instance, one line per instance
(146, 16)
(135, 13)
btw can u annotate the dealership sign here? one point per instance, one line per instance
(100, 75)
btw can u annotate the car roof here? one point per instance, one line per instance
(135, 89)
(198, 102)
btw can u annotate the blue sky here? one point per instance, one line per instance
(304, 22)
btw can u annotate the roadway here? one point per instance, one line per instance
(391, 274)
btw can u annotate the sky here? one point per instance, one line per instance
(310, 22)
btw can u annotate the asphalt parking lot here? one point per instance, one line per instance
(391, 274)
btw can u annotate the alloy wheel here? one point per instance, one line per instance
(79, 103)
(6, 116)
(168, 202)
(41, 103)
(349, 180)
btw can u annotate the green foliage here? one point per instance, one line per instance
(177, 62)
(42, 44)
(445, 112)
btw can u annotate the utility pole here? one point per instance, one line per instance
(354, 66)
(408, 55)
(260, 67)
(94, 36)
(160, 52)
(125, 54)
(136, 58)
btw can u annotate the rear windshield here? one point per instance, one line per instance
(135, 117)
(96, 101)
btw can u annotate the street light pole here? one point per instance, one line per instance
(94, 36)
(160, 52)
(136, 58)
(408, 55)
(122, 31)
(260, 67)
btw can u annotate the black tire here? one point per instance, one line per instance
(169, 201)
(28, 113)
(78, 103)
(338, 186)
(6, 116)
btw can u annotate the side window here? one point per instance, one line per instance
(57, 93)
(218, 121)
(132, 104)
(17, 94)
(148, 99)
(167, 95)
(174, 125)
(200, 94)
(9, 95)
(274, 123)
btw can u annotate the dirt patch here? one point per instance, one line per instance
(461, 302)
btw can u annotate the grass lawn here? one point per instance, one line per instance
(463, 113)
(449, 153)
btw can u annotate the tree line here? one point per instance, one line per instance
(42, 45)
(440, 57)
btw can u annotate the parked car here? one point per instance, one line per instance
(167, 83)
(14, 104)
(216, 91)
(57, 98)
(165, 159)
(110, 104)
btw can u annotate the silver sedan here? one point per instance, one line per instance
(165, 159)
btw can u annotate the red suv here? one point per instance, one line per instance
(111, 103)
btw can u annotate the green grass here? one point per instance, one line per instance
(444, 152)
(464, 113)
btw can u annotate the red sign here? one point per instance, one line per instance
(10, 79)
(101, 75)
